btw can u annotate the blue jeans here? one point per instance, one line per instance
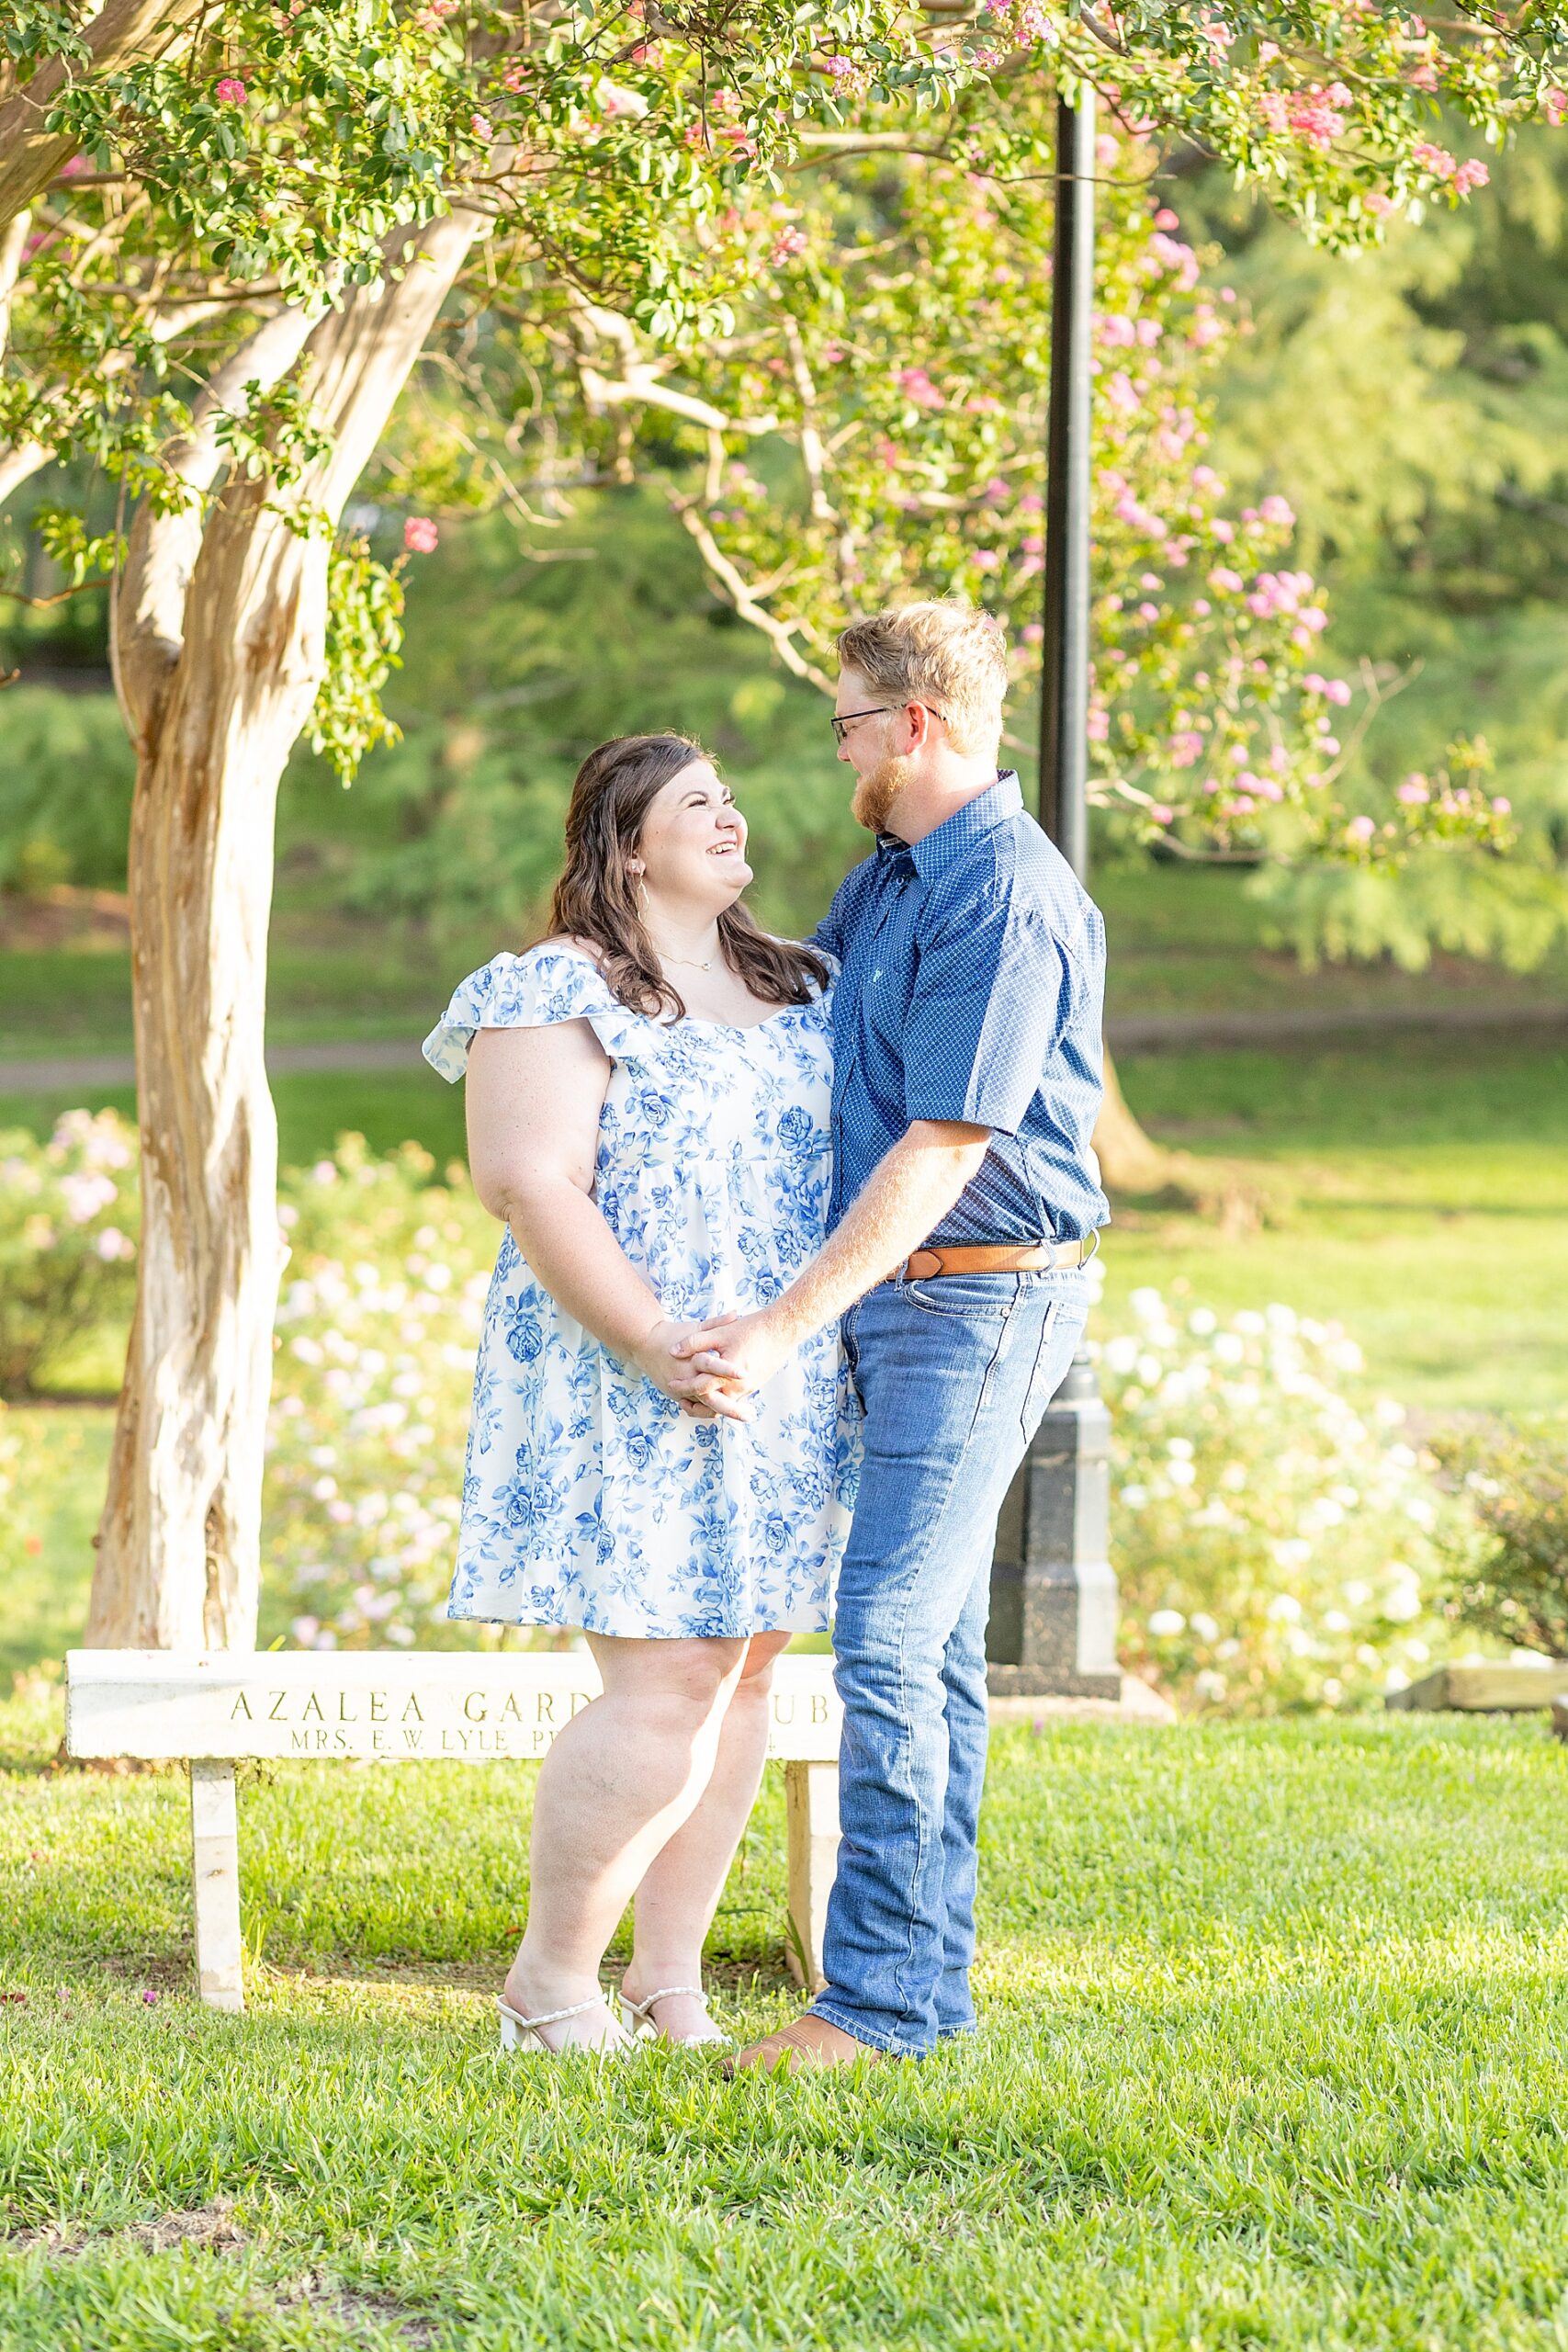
(953, 1376)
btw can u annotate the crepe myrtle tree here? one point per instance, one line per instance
(228, 231)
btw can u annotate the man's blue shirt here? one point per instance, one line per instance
(971, 984)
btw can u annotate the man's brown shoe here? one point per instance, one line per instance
(809, 2041)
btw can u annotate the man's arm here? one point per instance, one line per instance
(910, 1191)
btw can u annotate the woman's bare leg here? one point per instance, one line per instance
(618, 1782)
(682, 1887)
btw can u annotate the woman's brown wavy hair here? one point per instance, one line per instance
(596, 899)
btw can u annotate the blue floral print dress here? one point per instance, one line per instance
(588, 1498)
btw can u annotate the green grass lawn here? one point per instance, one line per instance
(1273, 2024)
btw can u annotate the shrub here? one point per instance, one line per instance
(1512, 1582)
(1278, 1543)
(69, 1214)
(381, 1311)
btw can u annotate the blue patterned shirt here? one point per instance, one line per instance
(971, 989)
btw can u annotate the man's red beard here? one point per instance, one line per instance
(876, 792)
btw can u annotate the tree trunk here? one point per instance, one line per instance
(179, 1543)
(218, 649)
(1129, 1160)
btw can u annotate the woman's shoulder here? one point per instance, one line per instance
(554, 981)
(552, 970)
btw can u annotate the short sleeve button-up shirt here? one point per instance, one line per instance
(970, 987)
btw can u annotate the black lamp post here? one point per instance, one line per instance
(1053, 1625)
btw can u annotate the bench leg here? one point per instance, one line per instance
(811, 1812)
(215, 1873)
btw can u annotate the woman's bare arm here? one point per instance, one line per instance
(534, 1102)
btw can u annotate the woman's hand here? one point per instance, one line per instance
(704, 1395)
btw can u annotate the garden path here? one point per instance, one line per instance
(1127, 1033)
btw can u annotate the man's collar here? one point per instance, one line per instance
(946, 843)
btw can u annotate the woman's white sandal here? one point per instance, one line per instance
(522, 2033)
(638, 2019)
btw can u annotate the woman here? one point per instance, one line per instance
(648, 1100)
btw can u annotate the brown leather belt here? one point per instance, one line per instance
(994, 1258)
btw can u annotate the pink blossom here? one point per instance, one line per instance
(1501, 808)
(786, 244)
(481, 126)
(838, 66)
(1423, 76)
(1205, 479)
(73, 169)
(1147, 612)
(1032, 633)
(1414, 791)
(229, 91)
(1377, 204)
(1224, 582)
(1554, 105)
(985, 559)
(1435, 160)
(1217, 33)
(420, 535)
(1150, 581)
(1338, 690)
(1114, 331)
(1185, 748)
(1277, 510)
(1359, 829)
(1158, 814)
(1224, 531)
(1166, 219)
(149, 1998)
(1314, 683)
(916, 388)
(1471, 174)
(1118, 392)
(1098, 726)
(1203, 607)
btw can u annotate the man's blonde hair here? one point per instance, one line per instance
(948, 656)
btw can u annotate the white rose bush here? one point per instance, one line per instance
(69, 1215)
(377, 1323)
(1279, 1541)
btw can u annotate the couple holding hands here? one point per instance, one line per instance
(792, 1268)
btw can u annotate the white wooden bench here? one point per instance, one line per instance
(404, 1707)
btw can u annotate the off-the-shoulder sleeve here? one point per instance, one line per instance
(531, 991)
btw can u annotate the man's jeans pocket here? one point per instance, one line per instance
(1059, 1337)
(970, 1295)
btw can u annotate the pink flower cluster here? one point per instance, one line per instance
(1460, 177)
(918, 390)
(420, 535)
(1314, 117)
(1554, 105)
(229, 91)
(1334, 690)
(787, 245)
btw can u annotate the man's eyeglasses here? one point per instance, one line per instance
(880, 710)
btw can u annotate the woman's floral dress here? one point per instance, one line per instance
(588, 1498)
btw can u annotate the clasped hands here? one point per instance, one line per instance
(711, 1368)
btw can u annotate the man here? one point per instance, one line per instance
(966, 1201)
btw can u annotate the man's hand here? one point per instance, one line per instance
(703, 1391)
(746, 1350)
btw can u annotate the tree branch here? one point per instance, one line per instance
(122, 31)
(780, 634)
(148, 606)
